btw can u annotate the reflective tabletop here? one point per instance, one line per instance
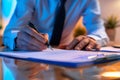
(105, 71)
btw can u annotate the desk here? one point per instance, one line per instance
(93, 72)
(106, 71)
(0, 69)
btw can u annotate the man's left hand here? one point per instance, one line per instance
(83, 43)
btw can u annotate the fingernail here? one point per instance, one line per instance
(88, 48)
(77, 48)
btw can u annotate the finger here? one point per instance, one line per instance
(34, 33)
(91, 45)
(74, 42)
(46, 37)
(97, 47)
(82, 44)
(26, 46)
(31, 40)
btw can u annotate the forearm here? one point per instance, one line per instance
(94, 24)
(20, 18)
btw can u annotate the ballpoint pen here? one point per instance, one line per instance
(47, 43)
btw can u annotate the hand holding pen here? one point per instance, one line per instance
(29, 39)
(44, 34)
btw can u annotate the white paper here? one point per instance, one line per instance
(110, 50)
(60, 55)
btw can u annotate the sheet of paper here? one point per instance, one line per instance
(60, 55)
(55, 55)
(110, 49)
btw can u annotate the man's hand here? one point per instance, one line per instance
(30, 39)
(83, 42)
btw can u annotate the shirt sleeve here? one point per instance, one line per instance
(22, 14)
(94, 24)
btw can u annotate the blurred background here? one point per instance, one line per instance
(110, 13)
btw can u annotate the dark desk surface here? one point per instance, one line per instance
(106, 71)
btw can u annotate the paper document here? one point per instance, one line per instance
(110, 49)
(56, 54)
(66, 58)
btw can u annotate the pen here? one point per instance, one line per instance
(94, 57)
(47, 43)
(107, 58)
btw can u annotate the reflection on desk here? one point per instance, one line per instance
(106, 71)
(111, 71)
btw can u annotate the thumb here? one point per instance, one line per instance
(46, 37)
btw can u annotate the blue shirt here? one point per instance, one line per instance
(42, 14)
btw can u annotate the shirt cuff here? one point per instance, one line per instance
(102, 41)
(9, 40)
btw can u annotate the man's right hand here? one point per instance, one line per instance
(30, 39)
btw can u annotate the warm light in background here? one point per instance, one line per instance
(111, 74)
(110, 7)
(116, 3)
(8, 7)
